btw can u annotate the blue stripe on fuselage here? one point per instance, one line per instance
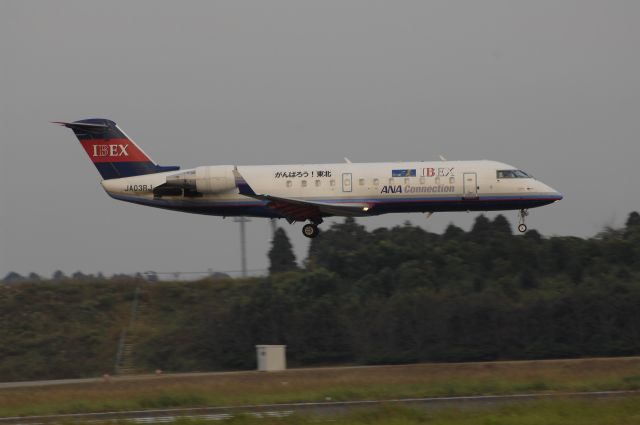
(256, 208)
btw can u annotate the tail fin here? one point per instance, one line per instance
(113, 153)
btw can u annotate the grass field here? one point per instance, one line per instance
(555, 412)
(337, 384)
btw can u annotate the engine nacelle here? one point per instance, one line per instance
(215, 179)
(206, 180)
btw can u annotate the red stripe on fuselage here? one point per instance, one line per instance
(113, 150)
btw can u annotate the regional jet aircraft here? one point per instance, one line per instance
(309, 192)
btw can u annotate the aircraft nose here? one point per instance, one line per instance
(554, 194)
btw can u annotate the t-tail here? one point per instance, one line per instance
(113, 153)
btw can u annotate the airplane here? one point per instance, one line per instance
(307, 192)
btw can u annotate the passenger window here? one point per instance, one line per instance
(437, 180)
(452, 180)
(303, 183)
(422, 180)
(289, 183)
(332, 183)
(391, 181)
(406, 180)
(376, 182)
(361, 182)
(318, 183)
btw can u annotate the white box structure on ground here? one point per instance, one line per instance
(271, 358)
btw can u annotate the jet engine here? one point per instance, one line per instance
(211, 179)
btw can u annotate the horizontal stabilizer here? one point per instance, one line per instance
(79, 124)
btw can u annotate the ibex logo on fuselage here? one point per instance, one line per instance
(110, 150)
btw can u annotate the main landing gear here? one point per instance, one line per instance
(521, 217)
(311, 230)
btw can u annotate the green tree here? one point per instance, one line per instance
(452, 231)
(482, 228)
(13, 277)
(281, 256)
(501, 225)
(58, 275)
(34, 277)
(633, 220)
(341, 248)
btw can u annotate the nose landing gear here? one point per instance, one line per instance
(521, 217)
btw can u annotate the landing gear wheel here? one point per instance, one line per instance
(521, 216)
(310, 230)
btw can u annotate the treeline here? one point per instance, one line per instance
(386, 296)
(60, 277)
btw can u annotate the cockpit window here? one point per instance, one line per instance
(512, 174)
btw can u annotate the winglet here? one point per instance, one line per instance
(442, 158)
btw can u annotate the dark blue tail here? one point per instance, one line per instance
(113, 153)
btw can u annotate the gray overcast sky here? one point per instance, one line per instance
(550, 86)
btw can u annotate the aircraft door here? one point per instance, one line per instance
(346, 182)
(470, 186)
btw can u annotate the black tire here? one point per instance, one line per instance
(310, 230)
(522, 228)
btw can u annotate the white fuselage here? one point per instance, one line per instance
(305, 192)
(378, 187)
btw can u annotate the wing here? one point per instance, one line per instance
(300, 210)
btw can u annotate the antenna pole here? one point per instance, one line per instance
(243, 243)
